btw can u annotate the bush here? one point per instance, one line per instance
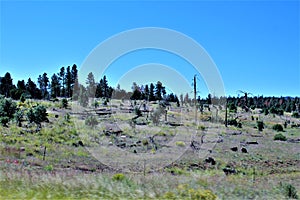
(64, 103)
(232, 107)
(201, 127)
(91, 121)
(96, 104)
(137, 111)
(48, 168)
(295, 114)
(280, 137)
(7, 110)
(37, 115)
(260, 125)
(180, 143)
(189, 193)
(18, 117)
(118, 177)
(289, 191)
(23, 98)
(277, 127)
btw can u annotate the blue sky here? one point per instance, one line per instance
(254, 44)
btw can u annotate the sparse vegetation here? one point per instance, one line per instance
(45, 140)
(277, 127)
(280, 137)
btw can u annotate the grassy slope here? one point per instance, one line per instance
(71, 172)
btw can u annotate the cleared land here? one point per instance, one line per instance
(167, 157)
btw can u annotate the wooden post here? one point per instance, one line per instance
(44, 153)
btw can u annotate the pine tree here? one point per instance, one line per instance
(91, 85)
(6, 85)
(61, 75)
(151, 93)
(55, 86)
(43, 84)
(69, 82)
(32, 90)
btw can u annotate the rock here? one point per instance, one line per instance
(195, 145)
(244, 150)
(112, 129)
(29, 154)
(74, 144)
(84, 168)
(121, 145)
(252, 142)
(294, 140)
(80, 143)
(228, 171)
(234, 149)
(210, 160)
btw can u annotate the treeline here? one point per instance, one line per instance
(149, 92)
(65, 84)
(60, 84)
(273, 105)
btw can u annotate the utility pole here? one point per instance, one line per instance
(195, 93)
(226, 112)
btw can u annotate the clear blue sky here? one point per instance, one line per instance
(254, 44)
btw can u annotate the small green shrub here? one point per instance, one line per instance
(201, 127)
(118, 177)
(176, 170)
(280, 137)
(260, 125)
(137, 111)
(180, 143)
(189, 193)
(48, 168)
(64, 103)
(96, 104)
(295, 114)
(23, 98)
(91, 121)
(7, 110)
(145, 142)
(289, 191)
(37, 115)
(277, 127)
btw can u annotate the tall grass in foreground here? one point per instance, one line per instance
(67, 185)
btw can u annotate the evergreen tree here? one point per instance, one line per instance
(159, 90)
(91, 85)
(6, 85)
(32, 90)
(74, 77)
(61, 75)
(43, 83)
(151, 93)
(83, 97)
(55, 86)
(146, 92)
(69, 82)
(136, 92)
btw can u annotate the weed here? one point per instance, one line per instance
(277, 127)
(180, 143)
(280, 137)
(48, 168)
(118, 177)
(289, 191)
